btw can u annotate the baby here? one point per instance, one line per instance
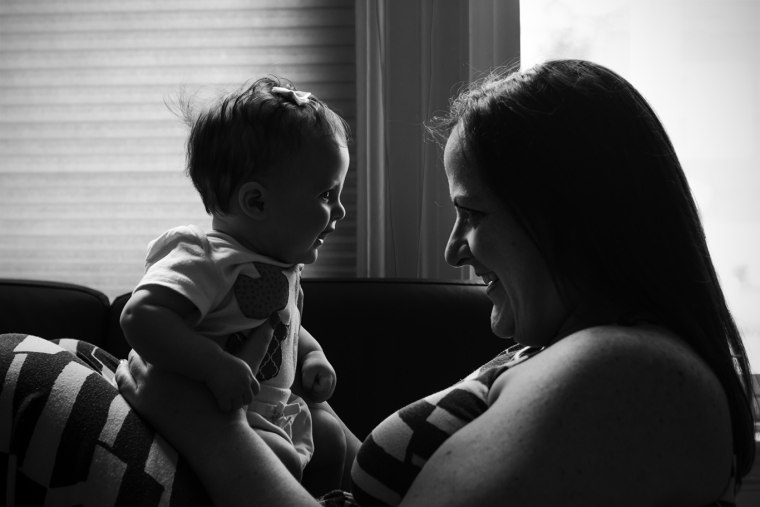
(224, 306)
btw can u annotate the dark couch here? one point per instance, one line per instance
(391, 341)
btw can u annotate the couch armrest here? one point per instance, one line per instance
(53, 310)
(115, 342)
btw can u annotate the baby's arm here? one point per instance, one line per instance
(156, 323)
(317, 374)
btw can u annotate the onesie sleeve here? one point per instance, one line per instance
(181, 259)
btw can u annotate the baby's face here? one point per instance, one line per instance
(304, 201)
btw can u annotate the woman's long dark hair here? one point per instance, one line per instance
(583, 162)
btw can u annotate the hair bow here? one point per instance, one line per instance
(300, 98)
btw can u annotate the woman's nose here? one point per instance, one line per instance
(457, 249)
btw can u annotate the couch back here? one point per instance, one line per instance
(394, 341)
(54, 310)
(391, 341)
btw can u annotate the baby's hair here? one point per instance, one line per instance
(244, 134)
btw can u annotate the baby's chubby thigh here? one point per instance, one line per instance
(283, 421)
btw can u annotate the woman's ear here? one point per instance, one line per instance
(252, 198)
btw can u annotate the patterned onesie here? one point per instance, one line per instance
(244, 299)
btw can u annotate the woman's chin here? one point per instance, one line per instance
(502, 325)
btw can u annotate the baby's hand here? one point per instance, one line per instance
(318, 377)
(232, 382)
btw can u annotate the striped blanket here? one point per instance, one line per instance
(68, 438)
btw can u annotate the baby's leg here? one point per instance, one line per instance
(324, 472)
(284, 450)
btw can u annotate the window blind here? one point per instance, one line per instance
(92, 160)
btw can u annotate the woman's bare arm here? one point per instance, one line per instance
(600, 418)
(603, 417)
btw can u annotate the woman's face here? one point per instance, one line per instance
(526, 304)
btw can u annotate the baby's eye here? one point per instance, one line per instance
(325, 196)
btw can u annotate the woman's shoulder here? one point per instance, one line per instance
(627, 352)
(638, 391)
(648, 354)
(645, 365)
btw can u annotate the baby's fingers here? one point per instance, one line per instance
(125, 382)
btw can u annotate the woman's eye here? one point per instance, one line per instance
(469, 215)
(466, 212)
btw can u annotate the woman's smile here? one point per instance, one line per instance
(491, 281)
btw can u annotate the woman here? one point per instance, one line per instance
(633, 388)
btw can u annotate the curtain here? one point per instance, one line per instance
(411, 59)
(91, 158)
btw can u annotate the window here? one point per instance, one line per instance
(91, 159)
(405, 214)
(696, 62)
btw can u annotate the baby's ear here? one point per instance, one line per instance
(252, 199)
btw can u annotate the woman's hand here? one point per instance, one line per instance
(234, 464)
(182, 410)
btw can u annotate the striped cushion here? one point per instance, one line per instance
(68, 438)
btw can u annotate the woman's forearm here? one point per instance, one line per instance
(239, 467)
(233, 463)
